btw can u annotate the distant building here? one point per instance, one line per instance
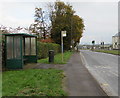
(106, 46)
(97, 46)
(116, 41)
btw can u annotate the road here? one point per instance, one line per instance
(104, 68)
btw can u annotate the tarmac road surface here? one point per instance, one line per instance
(104, 67)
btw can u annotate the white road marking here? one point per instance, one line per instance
(105, 84)
(113, 73)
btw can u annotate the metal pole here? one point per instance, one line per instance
(44, 34)
(62, 45)
(71, 33)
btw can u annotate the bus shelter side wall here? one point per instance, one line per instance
(14, 63)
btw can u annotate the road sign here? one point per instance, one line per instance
(63, 33)
(93, 42)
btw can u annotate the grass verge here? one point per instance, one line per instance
(33, 82)
(58, 58)
(115, 52)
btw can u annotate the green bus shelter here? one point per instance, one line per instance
(20, 48)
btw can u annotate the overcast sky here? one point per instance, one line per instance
(100, 18)
(101, 21)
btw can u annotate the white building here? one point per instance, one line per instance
(116, 41)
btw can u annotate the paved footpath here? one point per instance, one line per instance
(79, 81)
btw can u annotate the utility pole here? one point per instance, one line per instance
(102, 44)
(44, 32)
(71, 35)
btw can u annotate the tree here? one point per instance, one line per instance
(39, 26)
(63, 19)
(77, 28)
(93, 42)
(3, 29)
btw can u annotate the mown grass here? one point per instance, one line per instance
(33, 82)
(115, 52)
(58, 58)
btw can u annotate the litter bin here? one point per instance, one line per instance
(51, 56)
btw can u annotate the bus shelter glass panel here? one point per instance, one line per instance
(9, 47)
(17, 51)
(33, 46)
(27, 46)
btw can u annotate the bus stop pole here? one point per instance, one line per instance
(62, 45)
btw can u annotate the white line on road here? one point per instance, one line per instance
(113, 73)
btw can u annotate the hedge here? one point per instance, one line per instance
(43, 49)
